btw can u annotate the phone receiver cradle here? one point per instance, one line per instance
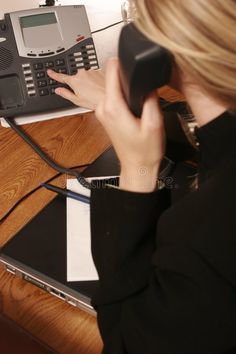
(11, 92)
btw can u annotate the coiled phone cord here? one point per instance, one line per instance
(44, 156)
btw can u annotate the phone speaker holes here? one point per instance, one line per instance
(6, 58)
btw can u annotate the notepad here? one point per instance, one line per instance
(80, 265)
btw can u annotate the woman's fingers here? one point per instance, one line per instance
(152, 116)
(61, 91)
(62, 78)
(113, 86)
(67, 94)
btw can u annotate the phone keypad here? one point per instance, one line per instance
(46, 86)
(43, 85)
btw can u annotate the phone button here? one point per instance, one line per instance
(38, 66)
(49, 64)
(29, 79)
(30, 85)
(46, 54)
(52, 82)
(91, 52)
(52, 90)
(60, 50)
(77, 54)
(31, 92)
(43, 92)
(40, 74)
(60, 62)
(80, 65)
(42, 83)
(62, 71)
(90, 46)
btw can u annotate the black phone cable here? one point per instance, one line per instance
(5, 216)
(44, 156)
(105, 28)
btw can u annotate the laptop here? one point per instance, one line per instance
(37, 253)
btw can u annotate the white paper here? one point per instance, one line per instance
(28, 118)
(100, 14)
(80, 265)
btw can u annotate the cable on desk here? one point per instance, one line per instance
(44, 156)
(5, 216)
(105, 28)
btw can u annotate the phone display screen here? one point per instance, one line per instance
(40, 30)
(38, 20)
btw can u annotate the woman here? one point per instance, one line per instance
(168, 273)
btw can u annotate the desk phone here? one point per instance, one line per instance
(34, 40)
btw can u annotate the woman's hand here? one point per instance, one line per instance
(139, 143)
(88, 87)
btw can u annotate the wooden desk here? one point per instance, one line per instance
(71, 141)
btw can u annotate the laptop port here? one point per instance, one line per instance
(10, 269)
(57, 294)
(33, 281)
(72, 302)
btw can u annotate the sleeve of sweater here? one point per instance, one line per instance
(123, 228)
(154, 299)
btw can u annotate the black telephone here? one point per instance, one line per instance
(34, 40)
(144, 66)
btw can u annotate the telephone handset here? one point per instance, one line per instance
(34, 40)
(144, 66)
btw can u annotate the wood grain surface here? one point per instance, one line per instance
(72, 141)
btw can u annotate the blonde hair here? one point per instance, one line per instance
(201, 36)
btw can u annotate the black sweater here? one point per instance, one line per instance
(168, 273)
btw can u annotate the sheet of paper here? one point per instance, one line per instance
(28, 118)
(80, 265)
